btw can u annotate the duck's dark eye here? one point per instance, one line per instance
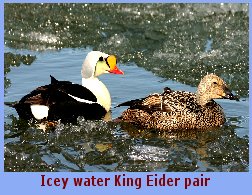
(100, 58)
(215, 83)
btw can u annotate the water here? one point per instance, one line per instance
(158, 45)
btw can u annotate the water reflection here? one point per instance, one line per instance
(108, 146)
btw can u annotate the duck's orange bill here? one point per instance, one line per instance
(116, 71)
(111, 60)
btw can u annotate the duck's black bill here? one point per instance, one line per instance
(231, 96)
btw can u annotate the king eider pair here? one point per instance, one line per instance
(65, 100)
(170, 110)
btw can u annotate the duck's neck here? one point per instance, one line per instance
(99, 90)
(202, 99)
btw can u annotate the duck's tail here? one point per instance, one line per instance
(10, 104)
(131, 103)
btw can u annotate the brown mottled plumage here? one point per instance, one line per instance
(173, 110)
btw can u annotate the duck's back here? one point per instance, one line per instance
(173, 110)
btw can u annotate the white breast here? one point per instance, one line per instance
(99, 90)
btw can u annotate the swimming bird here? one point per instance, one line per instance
(174, 110)
(65, 100)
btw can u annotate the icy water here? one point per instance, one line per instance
(157, 45)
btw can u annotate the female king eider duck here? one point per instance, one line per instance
(65, 100)
(174, 110)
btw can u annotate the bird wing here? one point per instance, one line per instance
(151, 103)
(168, 101)
(58, 91)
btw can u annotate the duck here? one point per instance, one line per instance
(180, 110)
(66, 101)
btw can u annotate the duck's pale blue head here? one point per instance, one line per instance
(97, 63)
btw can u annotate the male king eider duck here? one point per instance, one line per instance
(174, 110)
(65, 100)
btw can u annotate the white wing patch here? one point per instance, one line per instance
(39, 111)
(82, 100)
